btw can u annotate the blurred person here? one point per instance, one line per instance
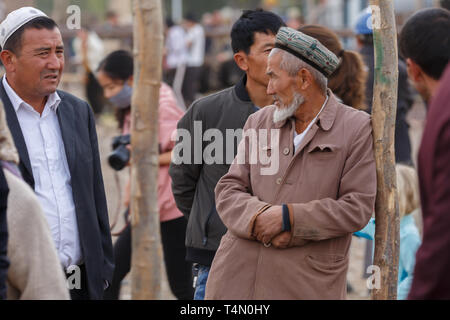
(348, 82)
(425, 44)
(176, 49)
(294, 18)
(175, 59)
(93, 90)
(115, 75)
(112, 19)
(408, 202)
(290, 229)
(195, 43)
(88, 48)
(426, 48)
(55, 135)
(445, 4)
(4, 262)
(364, 38)
(35, 271)
(252, 38)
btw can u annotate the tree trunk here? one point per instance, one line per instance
(383, 122)
(146, 262)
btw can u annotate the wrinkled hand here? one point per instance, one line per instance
(268, 224)
(282, 240)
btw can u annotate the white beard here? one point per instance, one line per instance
(284, 112)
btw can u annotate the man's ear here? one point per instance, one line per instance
(414, 70)
(304, 79)
(241, 60)
(8, 58)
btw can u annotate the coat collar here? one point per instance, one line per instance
(241, 90)
(66, 120)
(326, 117)
(19, 141)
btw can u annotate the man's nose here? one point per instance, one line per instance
(270, 90)
(54, 62)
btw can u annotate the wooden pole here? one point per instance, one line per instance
(146, 262)
(383, 121)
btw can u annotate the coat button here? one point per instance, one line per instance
(279, 180)
(286, 151)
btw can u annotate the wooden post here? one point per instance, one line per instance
(384, 109)
(146, 262)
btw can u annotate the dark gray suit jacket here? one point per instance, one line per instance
(80, 141)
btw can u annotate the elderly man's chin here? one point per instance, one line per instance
(283, 112)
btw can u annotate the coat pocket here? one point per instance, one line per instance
(323, 151)
(327, 263)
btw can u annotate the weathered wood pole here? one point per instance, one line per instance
(146, 262)
(384, 109)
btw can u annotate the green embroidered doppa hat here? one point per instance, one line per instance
(307, 49)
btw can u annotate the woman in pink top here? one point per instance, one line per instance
(115, 75)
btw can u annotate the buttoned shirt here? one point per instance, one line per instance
(42, 135)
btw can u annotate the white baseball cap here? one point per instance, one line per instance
(15, 19)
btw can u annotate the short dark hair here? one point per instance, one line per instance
(445, 4)
(192, 17)
(366, 39)
(425, 39)
(14, 42)
(117, 65)
(251, 21)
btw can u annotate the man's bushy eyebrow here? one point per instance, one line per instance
(48, 48)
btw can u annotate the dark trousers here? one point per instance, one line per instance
(191, 84)
(179, 271)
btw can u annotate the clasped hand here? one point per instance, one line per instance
(268, 228)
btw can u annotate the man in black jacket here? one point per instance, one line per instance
(195, 177)
(55, 136)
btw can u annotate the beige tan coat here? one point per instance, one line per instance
(330, 185)
(35, 272)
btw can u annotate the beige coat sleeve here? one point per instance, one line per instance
(329, 218)
(35, 271)
(235, 204)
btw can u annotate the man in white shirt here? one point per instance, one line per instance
(195, 42)
(55, 135)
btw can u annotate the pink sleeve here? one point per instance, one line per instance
(169, 115)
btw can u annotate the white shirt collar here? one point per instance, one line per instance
(52, 101)
(314, 120)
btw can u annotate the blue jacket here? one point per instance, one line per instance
(409, 243)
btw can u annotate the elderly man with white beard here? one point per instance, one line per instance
(289, 233)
